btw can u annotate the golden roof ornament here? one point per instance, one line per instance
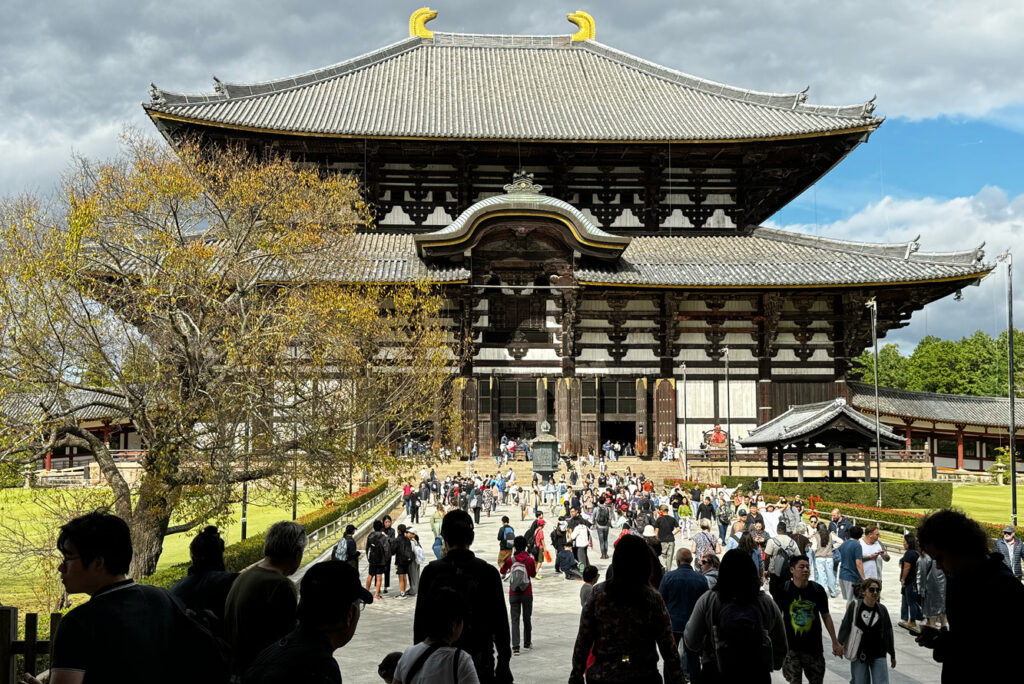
(588, 30)
(522, 183)
(418, 23)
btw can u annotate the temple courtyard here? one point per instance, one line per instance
(386, 625)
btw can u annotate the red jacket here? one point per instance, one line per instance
(531, 570)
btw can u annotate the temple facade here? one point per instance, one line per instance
(594, 221)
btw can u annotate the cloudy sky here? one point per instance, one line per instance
(948, 164)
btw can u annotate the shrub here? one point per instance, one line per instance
(895, 516)
(10, 475)
(242, 554)
(898, 493)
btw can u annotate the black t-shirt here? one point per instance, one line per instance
(910, 558)
(665, 525)
(260, 609)
(304, 654)
(801, 612)
(125, 633)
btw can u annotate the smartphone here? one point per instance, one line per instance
(916, 631)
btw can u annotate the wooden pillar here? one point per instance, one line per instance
(470, 408)
(960, 447)
(867, 464)
(842, 459)
(909, 432)
(771, 463)
(487, 404)
(664, 411)
(567, 414)
(800, 463)
(831, 465)
(49, 460)
(641, 417)
(106, 434)
(781, 474)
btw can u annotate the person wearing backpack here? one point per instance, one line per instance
(724, 516)
(506, 540)
(519, 568)
(486, 624)
(804, 607)
(345, 550)
(435, 659)
(778, 550)
(736, 627)
(376, 557)
(602, 523)
(404, 558)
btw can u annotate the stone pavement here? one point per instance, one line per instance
(387, 624)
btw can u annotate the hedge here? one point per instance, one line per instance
(892, 515)
(242, 554)
(898, 493)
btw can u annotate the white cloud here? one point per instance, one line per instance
(957, 224)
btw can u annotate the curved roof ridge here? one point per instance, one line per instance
(228, 90)
(905, 251)
(789, 101)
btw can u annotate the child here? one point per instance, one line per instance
(590, 575)
(434, 659)
(565, 563)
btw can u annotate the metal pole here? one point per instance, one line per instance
(878, 429)
(728, 413)
(1011, 367)
(686, 440)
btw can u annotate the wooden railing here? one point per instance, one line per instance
(332, 529)
(29, 648)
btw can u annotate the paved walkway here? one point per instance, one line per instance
(387, 624)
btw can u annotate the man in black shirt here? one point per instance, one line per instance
(804, 608)
(328, 613)
(486, 626)
(260, 608)
(126, 632)
(666, 527)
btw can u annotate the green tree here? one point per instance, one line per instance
(892, 367)
(1002, 367)
(932, 366)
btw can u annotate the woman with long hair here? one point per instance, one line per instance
(823, 543)
(625, 625)
(910, 602)
(715, 626)
(749, 547)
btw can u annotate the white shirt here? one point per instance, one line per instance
(438, 667)
(872, 568)
(580, 536)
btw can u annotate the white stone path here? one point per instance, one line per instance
(386, 625)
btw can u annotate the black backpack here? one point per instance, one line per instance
(601, 516)
(377, 553)
(740, 640)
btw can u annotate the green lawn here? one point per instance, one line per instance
(35, 514)
(987, 503)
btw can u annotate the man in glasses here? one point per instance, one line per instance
(804, 607)
(1012, 550)
(328, 613)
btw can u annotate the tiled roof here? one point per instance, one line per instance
(85, 405)
(947, 408)
(803, 420)
(766, 258)
(455, 86)
(770, 257)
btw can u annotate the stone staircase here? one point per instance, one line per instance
(655, 470)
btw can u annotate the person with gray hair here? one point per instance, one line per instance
(261, 606)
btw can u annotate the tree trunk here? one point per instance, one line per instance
(148, 525)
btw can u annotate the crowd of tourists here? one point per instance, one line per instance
(715, 585)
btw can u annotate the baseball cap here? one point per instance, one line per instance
(349, 529)
(327, 590)
(1009, 529)
(410, 530)
(649, 531)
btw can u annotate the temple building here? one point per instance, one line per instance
(595, 222)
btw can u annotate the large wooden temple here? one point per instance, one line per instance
(595, 220)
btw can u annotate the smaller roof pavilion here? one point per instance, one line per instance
(828, 426)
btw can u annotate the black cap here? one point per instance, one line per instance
(350, 529)
(327, 590)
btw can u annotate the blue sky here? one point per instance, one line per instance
(948, 164)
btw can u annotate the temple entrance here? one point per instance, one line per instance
(517, 429)
(618, 431)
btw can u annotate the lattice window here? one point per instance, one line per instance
(618, 396)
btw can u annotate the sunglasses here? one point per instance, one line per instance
(873, 590)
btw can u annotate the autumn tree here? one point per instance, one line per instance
(207, 297)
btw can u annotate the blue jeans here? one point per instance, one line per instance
(871, 672)
(910, 604)
(437, 547)
(824, 576)
(602, 539)
(723, 530)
